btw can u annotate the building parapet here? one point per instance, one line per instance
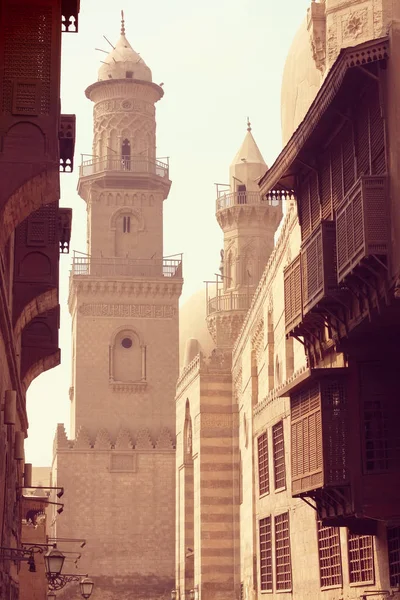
(219, 361)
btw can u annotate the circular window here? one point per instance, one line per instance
(126, 343)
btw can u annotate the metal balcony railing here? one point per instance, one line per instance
(127, 267)
(133, 164)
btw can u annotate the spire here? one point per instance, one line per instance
(122, 23)
(248, 125)
(249, 151)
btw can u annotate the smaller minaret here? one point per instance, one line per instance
(249, 222)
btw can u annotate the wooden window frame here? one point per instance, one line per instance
(278, 449)
(283, 562)
(393, 546)
(358, 541)
(263, 464)
(329, 551)
(265, 549)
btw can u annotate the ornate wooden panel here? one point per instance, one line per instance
(318, 266)
(362, 225)
(293, 295)
(319, 436)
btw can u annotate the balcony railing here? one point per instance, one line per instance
(362, 225)
(127, 267)
(272, 198)
(133, 164)
(225, 301)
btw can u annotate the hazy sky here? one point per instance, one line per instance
(220, 61)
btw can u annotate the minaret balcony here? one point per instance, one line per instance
(272, 198)
(88, 266)
(229, 301)
(136, 165)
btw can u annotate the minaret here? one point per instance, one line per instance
(249, 222)
(118, 468)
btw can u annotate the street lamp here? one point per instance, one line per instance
(86, 586)
(54, 560)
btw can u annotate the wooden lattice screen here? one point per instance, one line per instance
(318, 266)
(293, 295)
(361, 225)
(265, 554)
(319, 436)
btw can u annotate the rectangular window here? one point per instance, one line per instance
(282, 553)
(279, 455)
(263, 470)
(361, 558)
(393, 538)
(265, 555)
(330, 563)
(126, 225)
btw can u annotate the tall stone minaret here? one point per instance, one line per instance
(249, 222)
(118, 468)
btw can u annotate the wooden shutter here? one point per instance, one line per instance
(326, 195)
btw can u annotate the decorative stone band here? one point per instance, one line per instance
(140, 311)
(126, 440)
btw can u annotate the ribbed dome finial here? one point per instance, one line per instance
(122, 23)
(248, 124)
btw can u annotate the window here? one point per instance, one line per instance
(279, 455)
(126, 224)
(265, 554)
(263, 470)
(393, 539)
(330, 563)
(361, 558)
(282, 553)
(129, 74)
(126, 343)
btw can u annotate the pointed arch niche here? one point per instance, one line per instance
(127, 360)
(126, 224)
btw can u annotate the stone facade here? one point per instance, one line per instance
(118, 467)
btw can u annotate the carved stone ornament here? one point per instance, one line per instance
(316, 23)
(354, 23)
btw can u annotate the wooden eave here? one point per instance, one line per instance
(322, 117)
(309, 376)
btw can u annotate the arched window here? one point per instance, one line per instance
(242, 196)
(126, 154)
(127, 357)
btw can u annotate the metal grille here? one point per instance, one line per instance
(265, 554)
(282, 553)
(27, 56)
(306, 440)
(393, 539)
(279, 455)
(263, 469)
(293, 295)
(361, 558)
(330, 561)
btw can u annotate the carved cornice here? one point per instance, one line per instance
(138, 311)
(224, 327)
(246, 214)
(139, 288)
(128, 386)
